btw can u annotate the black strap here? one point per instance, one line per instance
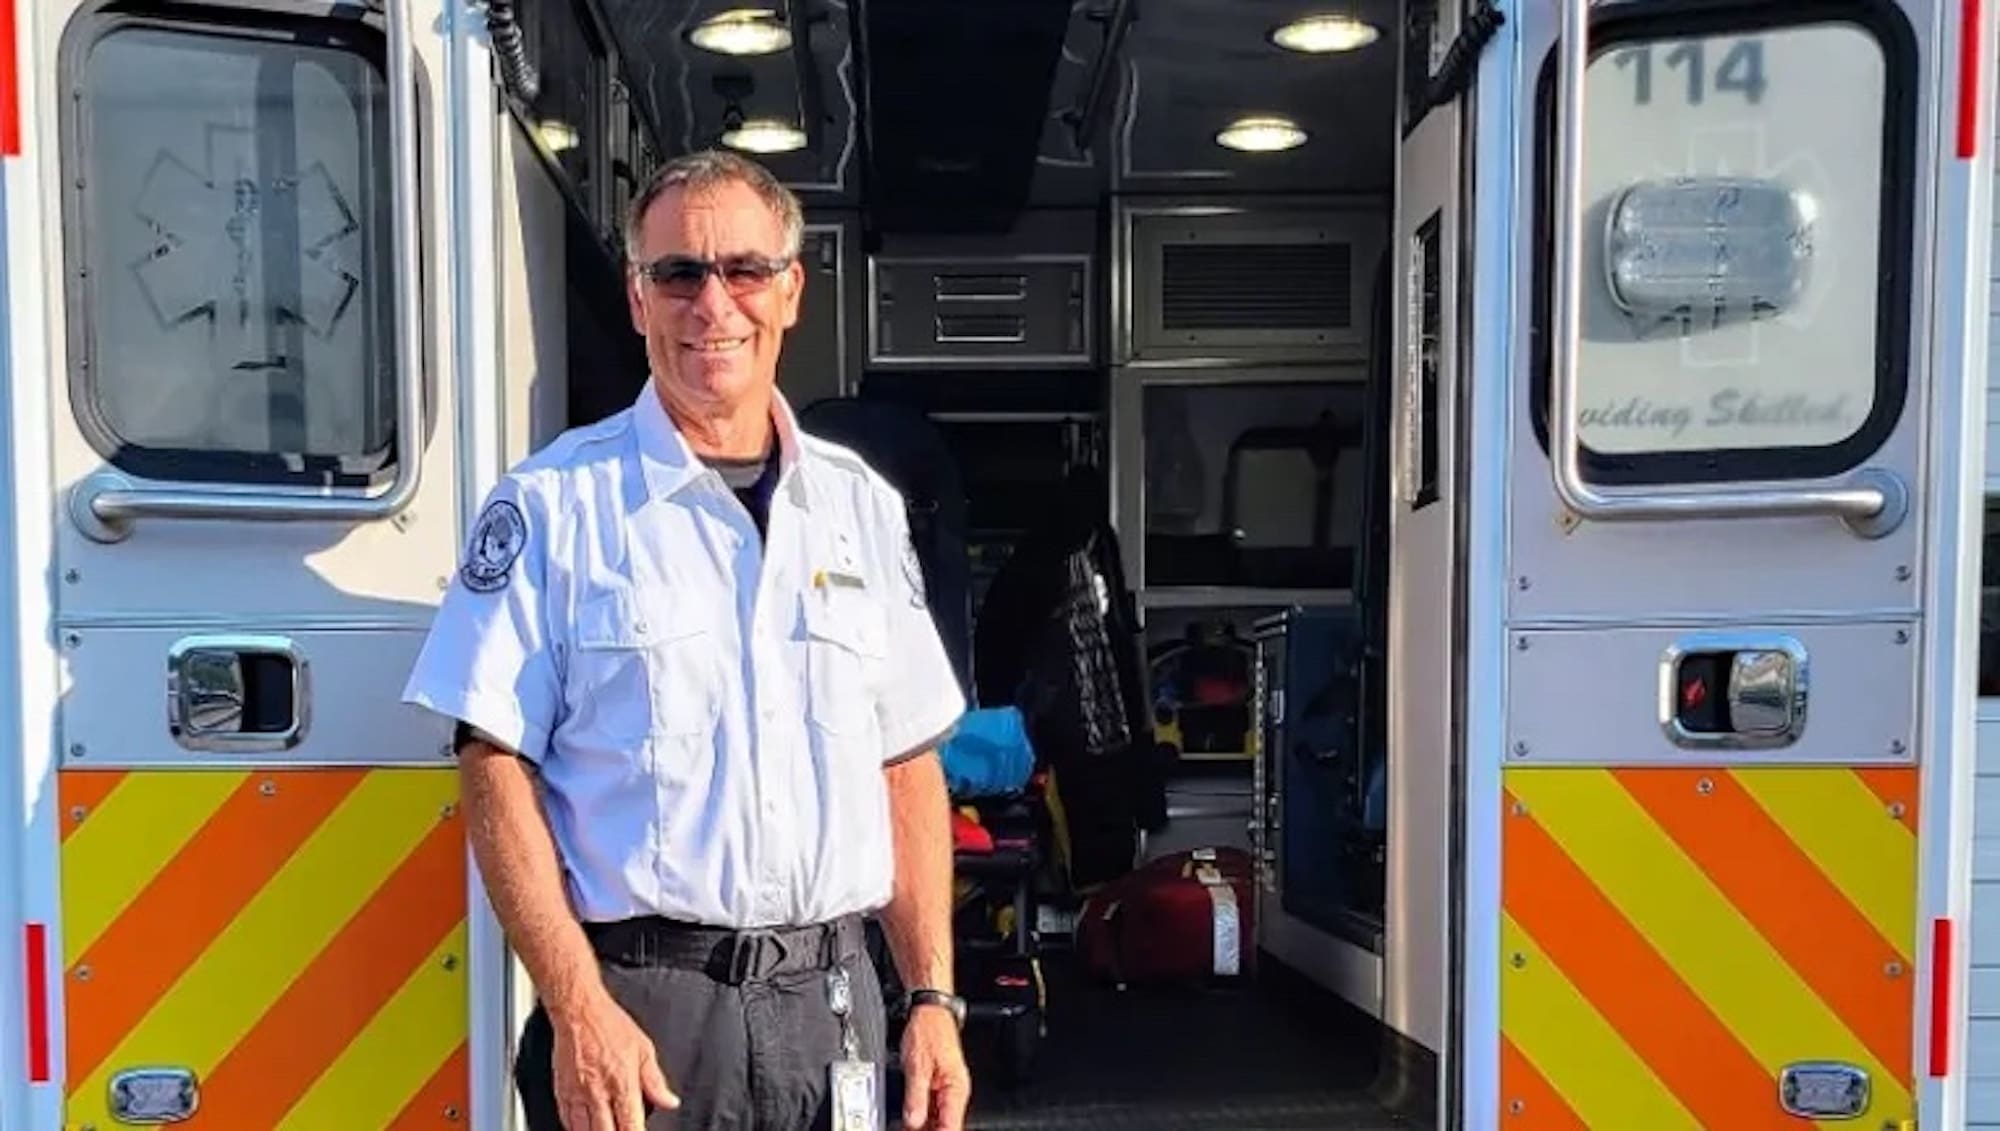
(731, 957)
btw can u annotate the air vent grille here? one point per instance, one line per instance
(1256, 286)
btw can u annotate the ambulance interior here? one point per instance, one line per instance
(1131, 255)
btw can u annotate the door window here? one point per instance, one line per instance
(232, 306)
(1746, 242)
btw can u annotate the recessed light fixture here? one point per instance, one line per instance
(742, 31)
(764, 135)
(1318, 35)
(1264, 134)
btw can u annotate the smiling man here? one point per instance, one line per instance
(698, 696)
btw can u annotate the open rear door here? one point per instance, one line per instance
(1427, 258)
(1742, 483)
(262, 912)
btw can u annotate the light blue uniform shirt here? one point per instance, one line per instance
(710, 713)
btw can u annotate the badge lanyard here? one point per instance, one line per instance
(852, 1078)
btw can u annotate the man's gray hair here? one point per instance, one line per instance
(712, 168)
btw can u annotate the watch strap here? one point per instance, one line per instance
(952, 1003)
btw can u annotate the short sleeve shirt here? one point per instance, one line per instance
(710, 711)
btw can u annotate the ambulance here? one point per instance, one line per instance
(1555, 434)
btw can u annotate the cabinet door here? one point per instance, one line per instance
(813, 365)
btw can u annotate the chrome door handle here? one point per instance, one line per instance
(238, 693)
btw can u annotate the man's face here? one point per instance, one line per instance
(713, 338)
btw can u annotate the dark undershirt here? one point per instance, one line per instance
(752, 480)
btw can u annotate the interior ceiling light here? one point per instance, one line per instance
(1317, 35)
(742, 31)
(1261, 135)
(764, 135)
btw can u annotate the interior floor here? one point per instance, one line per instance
(1273, 1054)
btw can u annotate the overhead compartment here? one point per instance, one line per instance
(1261, 287)
(948, 312)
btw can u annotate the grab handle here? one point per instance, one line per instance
(1873, 502)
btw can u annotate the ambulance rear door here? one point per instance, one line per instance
(1742, 467)
(262, 909)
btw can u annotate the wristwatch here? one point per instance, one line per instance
(952, 1003)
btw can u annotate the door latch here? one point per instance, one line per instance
(1734, 691)
(237, 693)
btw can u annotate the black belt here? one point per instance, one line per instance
(728, 955)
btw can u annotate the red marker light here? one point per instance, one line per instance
(1694, 693)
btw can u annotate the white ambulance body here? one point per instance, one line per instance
(1671, 790)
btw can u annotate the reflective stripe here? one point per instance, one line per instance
(295, 938)
(1228, 921)
(1717, 925)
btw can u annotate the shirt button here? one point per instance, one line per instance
(640, 628)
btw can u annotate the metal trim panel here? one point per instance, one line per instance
(115, 714)
(1594, 697)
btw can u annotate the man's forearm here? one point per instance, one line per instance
(918, 918)
(517, 860)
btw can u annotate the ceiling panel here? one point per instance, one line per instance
(1186, 68)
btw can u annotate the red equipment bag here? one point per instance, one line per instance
(1188, 917)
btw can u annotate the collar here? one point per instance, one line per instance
(670, 465)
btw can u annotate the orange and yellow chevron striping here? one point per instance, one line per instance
(296, 938)
(1673, 938)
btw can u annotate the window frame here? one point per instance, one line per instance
(1641, 21)
(353, 30)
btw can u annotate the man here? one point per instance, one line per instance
(698, 696)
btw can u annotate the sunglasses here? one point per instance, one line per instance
(681, 276)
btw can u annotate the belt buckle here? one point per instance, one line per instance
(742, 957)
(746, 954)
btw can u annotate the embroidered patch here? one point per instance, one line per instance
(913, 572)
(497, 541)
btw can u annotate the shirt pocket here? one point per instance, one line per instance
(638, 673)
(846, 649)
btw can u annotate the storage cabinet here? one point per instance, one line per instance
(814, 364)
(1240, 486)
(1322, 790)
(944, 313)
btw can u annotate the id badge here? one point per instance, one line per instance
(855, 1104)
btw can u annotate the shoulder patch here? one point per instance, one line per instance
(497, 541)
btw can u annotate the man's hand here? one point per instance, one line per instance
(606, 1070)
(936, 1084)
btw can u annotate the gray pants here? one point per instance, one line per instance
(742, 1022)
